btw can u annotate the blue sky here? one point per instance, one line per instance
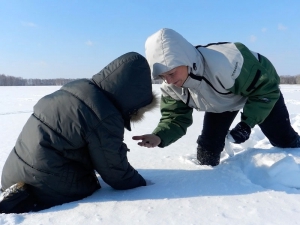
(76, 39)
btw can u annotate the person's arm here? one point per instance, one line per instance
(147, 140)
(259, 82)
(261, 99)
(109, 155)
(259, 104)
(176, 117)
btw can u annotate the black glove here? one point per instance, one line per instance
(240, 133)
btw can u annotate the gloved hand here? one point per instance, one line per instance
(240, 133)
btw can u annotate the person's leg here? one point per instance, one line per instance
(22, 198)
(39, 191)
(277, 127)
(212, 140)
(12, 198)
(50, 191)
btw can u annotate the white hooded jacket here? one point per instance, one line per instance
(215, 69)
(222, 77)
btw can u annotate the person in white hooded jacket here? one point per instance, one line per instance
(220, 79)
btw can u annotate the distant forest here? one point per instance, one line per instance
(290, 79)
(18, 81)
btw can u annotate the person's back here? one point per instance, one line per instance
(79, 129)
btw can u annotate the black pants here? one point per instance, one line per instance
(276, 127)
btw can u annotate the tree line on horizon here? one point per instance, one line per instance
(287, 79)
(19, 81)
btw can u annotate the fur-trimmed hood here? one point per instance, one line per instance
(127, 83)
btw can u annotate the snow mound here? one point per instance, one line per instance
(275, 169)
(286, 172)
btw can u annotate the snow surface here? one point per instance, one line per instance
(257, 184)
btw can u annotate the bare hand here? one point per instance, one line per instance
(148, 140)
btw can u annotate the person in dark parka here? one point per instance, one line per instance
(76, 131)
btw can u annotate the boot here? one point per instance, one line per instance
(12, 198)
(207, 157)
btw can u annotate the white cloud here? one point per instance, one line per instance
(89, 43)
(28, 24)
(282, 27)
(263, 29)
(253, 38)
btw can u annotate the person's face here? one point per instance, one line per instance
(176, 76)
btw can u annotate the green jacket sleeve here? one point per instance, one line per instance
(176, 117)
(259, 82)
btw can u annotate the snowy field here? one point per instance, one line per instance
(260, 184)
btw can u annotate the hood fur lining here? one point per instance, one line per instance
(139, 116)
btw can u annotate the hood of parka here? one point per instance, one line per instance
(127, 83)
(167, 49)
